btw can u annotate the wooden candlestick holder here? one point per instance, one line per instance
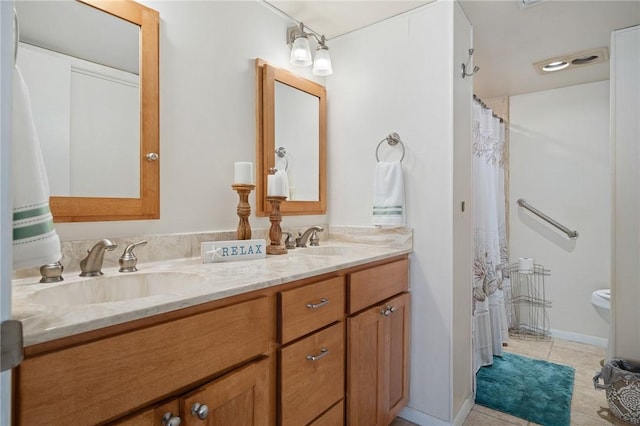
(244, 209)
(275, 232)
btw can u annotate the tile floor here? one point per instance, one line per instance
(588, 406)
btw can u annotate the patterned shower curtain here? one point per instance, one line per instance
(491, 285)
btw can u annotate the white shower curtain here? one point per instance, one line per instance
(490, 282)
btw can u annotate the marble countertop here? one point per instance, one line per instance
(53, 311)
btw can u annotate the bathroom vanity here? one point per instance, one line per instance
(311, 338)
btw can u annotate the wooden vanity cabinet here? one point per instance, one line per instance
(100, 380)
(312, 359)
(239, 398)
(323, 351)
(378, 344)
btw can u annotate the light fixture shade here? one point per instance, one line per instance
(322, 62)
(300, 52)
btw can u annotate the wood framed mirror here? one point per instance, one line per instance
(95, 173)
(291, 135)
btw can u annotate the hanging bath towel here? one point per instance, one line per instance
(388, 195)
(35, 241)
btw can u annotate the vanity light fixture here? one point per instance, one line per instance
(298, 41)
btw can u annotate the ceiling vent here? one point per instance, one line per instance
(574, 60)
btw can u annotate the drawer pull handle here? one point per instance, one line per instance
(323, 352)
(170, 420)
(322, 302)
(200, 410)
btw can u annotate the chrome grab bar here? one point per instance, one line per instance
(571, 234)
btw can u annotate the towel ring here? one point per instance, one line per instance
(281, 152)
(393, 139)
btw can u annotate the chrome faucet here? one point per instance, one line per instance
(301, 240)
(92, 264)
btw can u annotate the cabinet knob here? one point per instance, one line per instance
(168, 419)
(152, 156)
(320, 304)
(200, 410)
(386, 311)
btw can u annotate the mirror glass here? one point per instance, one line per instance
(297, 138)
(92, 74)
(291, 117)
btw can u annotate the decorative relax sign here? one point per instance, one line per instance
(226, 251)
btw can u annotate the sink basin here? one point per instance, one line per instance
(344, 251)
(118, 288)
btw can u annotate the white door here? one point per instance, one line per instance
(7, 37)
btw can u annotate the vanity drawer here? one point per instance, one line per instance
(97, 381)
(370, 286)
(333, 417)
(311, 379)
(308, 308)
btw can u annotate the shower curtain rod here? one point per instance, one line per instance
(475, 98)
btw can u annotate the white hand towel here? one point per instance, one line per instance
(35, 241)
(388, 194)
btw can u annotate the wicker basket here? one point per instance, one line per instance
(622, 385)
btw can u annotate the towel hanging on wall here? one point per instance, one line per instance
(35, 241)
(388, 194)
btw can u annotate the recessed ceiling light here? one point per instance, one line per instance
(575, 60)
(555, 66)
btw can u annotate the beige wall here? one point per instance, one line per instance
(625, 133)
(462, 370)
(405, 78)
(207, 115)
(560, 163)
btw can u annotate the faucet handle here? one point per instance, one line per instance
(51, 272)
(289, 242)
(314, 240)
(128, 260)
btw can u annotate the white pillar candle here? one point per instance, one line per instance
(243, 173)
(271, 185)
(276, 186)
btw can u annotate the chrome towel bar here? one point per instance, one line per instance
(571, 234)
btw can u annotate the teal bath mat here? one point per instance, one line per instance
(532, 389)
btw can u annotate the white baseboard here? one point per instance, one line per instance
(420, 418)
(423, 419)
(464, 411)
(580, 338)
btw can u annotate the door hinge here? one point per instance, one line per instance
(11, 344)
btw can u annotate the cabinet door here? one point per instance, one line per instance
(395, 370)
(240, 398)
(364, 358)
(377, 363)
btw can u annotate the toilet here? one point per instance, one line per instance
(601, 301)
